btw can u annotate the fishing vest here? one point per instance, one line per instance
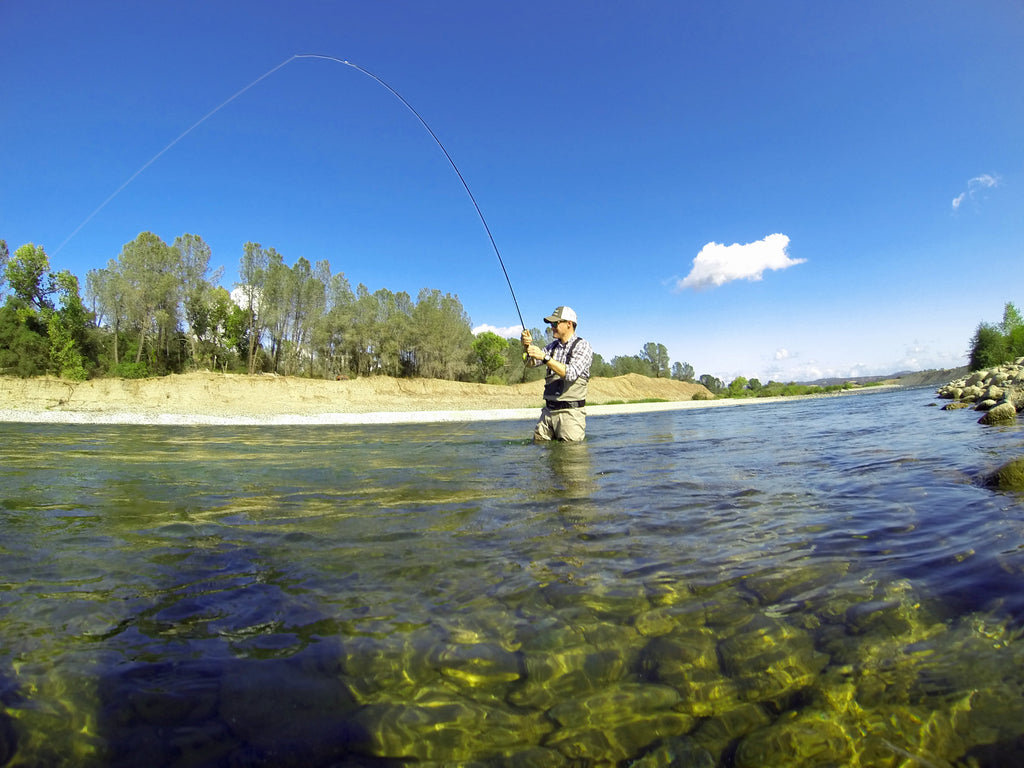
(554, 385)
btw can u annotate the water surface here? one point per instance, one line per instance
(809, 583)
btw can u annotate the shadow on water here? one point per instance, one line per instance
(250, 712)
(8, 733)
(225, 666)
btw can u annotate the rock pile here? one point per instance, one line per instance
(997, 391)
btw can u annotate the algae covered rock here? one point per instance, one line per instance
(956, 406)
(1009, 477)
(443, 727)
(767, 658)
(677, 752)
(811, 739)
(1003, 413)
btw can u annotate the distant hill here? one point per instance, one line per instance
(903, 378)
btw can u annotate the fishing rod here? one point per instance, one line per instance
(455, 168)
(267, 74)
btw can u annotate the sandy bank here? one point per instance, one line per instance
(211, 398)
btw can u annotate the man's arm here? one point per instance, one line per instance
(579, 363)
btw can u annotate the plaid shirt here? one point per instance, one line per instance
(579, 364)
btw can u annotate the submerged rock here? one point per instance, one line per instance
(443, 727)
(682, 751)
(1009, 477)
(768, 658)
(810, 739)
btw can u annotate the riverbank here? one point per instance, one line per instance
(213, 398)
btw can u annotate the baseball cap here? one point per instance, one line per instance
(561, 313)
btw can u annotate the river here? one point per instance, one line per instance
(819, 582)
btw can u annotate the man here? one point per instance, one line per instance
(567, 358)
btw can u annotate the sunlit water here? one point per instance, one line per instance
(825, 582)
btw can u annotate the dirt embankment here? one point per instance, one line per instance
(215, 394)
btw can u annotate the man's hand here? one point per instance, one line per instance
(529, 350)
(535, 352)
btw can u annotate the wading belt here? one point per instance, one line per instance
(561, 405)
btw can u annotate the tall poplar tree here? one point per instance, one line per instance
(252, 272)
(150, 270)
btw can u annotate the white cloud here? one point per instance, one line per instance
(782, 354)
(717, 264)
(511, 332)
(985, 181)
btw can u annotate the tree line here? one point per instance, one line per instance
(159, 308)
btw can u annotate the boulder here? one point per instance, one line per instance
(955, 406)
(1009, 477)
(976, 378)
(1015, 396)
(993, 392)
(971, 393)
(1003, 413)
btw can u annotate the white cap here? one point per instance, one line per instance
(561, 313)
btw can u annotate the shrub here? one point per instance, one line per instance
(138, 370)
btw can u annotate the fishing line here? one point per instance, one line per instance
(267, 74)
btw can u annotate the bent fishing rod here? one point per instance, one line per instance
(369, 74)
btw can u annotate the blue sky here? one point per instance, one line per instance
(781, 190)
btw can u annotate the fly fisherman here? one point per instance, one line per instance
(567, 359)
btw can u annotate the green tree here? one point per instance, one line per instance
(334, 327)
(252, 273)
(682, 371)
(24, 345)
(25, 275)
(219, 345)
(737, 386)
(712, 383)
(105, 290)
(600, 367)
(1012, 319)
(150, 273)
(67, 329)
(273, 309)
(441, 336)
(390, 316)
(197, 287)
(24, 320)
(657, 358)
(625, 364)
(489, 356)
(306, 302)
(988, 347)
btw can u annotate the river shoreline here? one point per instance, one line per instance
(216, 399)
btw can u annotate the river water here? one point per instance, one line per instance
(820, 582)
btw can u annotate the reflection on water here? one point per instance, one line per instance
(772, 585)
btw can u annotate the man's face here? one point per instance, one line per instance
(562, 330)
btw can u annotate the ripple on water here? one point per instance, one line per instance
(767, 585)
